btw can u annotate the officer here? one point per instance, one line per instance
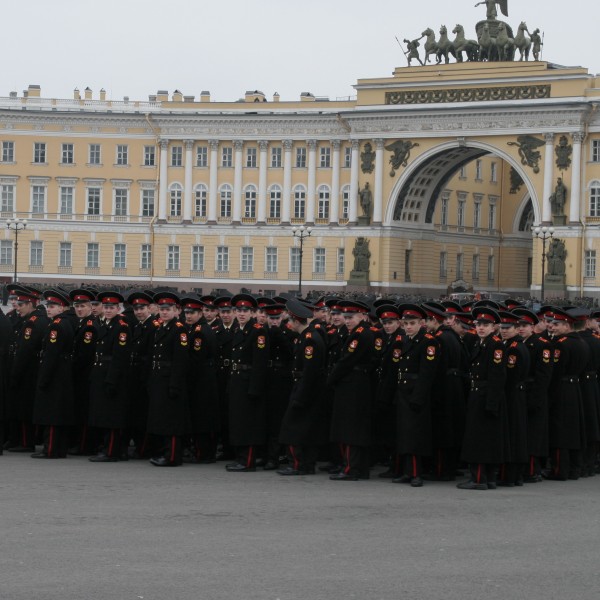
(210, 311)
(304, 427)
(142, 340)
(416, 374)
(350, 380)
(538, 380)
(24, 369)
(247, 385)
(484, 444)
(54, 400)
(5, 339)
(203, 390)
(108, 379)
(168, 410)
(83, 438)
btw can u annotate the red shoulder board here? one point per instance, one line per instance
(360, 329)
(543, 339)
(33, 318)
(178, 324)
(429, 336)
(156, 322)
(398, 338)
(513, 345)
(90, 323)
(562, 339)
(439, 333)
(374, 329)
(56, 321)
(123, 323)
(332, 331)
(258, 326)
(496, 338)
(318, 326)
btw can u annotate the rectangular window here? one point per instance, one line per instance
(478, 170)
(319, 266)
(39, 152)
(475, 266)
(67, 154)
(92, 259)
(492, 217)
(64, 255)
(120, 258)
(251, 158)
(590, 263)
(300, 158)
(460, 218)
(463, 172)
(149, 156)
(247, 259)
(36, 253)
(444, 210)
(7, 198)
(8, 152)
(276, 157)
(38, 197)
(596, 150)
(6, 252)
(172, 258)
(325, 157)
(595, 202)
(341, 261)
(443, 264)
(477, 215)
(323, 208)
(346, 203)
(347, 157)
(202, 156)
(222, 259)
(66, 200)
(250, 204)
(271, 260)
(299, 203)
(494, 172)
(121, 202)
(459, 265)
(176, 156)
(197, 258)
(122, 154)
(93, 201)
(146, 256)
(227, 156)
(148, 197)
(294, 260)
(491, 268)
(200, 202)
(94, 156)
(275, 203)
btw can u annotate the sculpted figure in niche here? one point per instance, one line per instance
(558, 198)
(366, 198)
(361, 254)
(556, 257)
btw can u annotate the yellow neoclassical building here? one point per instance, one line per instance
(460, 161)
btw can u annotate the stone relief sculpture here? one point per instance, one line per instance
(528, 151)
(400, 154)
(367, 157)
(362, 255)
(556, 258)
(563, 153)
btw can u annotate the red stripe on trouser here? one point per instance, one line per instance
(111, 443)
(478, 474)
(414, 465)
(347, 468)
(249, 461)
(557, 466)
(531, 465)
(173, 448)
(51, 440)
(294, 458)
(24, 438)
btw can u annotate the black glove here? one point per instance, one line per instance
(110, 390)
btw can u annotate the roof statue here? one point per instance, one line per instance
(492, 13)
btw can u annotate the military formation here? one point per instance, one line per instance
(431, 391)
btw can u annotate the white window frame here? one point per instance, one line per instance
(227, 157)
(65, 254)
(122, 155)
(8, 151)
(89, 191)
(92, 255)
(590, 263)
(300, 157)
(7, 197)
(150, 156)
(120, 256)
(67, 154)
(6, 252)
(295, 259)
(39, 153)
(175, 199)
(198, 257)
(200, 200)
(324, 157)
(222, 259)
(271, 259)
(121, 202)
(276, 157)
(225, 197)
(319, 260)
(173, 257)
(324, 202)
(35, 195)
(66, 199)
(146, 256)
(246, 259)
(299, 202)
(94, 154)
(202, 156)
(147, 202)
(250, 194)
(251, 158)
(275, 202)
(36, 253)
(177, 156)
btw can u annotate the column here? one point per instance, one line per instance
(187, 190)
(378, 191)
(575, 205)
(334, 211)
(162, 185)
(238, 146)
(312, 179)
(353, 208)
(262, 181)
(213, 181)
(286, 200)
(548, 178)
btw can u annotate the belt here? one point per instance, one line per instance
(407, 376)
(570, 379)
(100, 358)
(277, 365)
(160, 364)
(478, 385)
(224, 362)
(239, 367)
(297, 375)
(591, 375)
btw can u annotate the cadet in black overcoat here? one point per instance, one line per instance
(5, 339)
(485, 442)
(168, 409)
(247, 385)
(517, 371)
(24, 370)
(304, 427)
(565, 410)
(538, 380)
(416, 375)
(54, 400)
(108, 378)
(351, 382)
(203, 393)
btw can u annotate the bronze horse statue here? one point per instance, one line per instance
(461, 44)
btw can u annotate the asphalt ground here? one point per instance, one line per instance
(71, 529)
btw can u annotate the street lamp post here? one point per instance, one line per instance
(16, 225)
(544, 234)
(301, 233)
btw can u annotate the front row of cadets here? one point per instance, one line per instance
(283, 383)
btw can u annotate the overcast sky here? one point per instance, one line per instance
(136, 47)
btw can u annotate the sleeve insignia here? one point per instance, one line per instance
(360, 329)
(183, 339)
(556, 355)
(497, 356)
(562, 339)
(496, 338)
(378, 344)
(429, 336)
(197, 344)
(543, 339)
(27, 333)
(32, 318)
(178, 324)
(308, 352)
(513, 345)
(122, 338)
(261, 342)
(352, 346)
(512, 361)
(257, 326)
(87, 337)
(123, 323)
(396, 355)
(90, 323)
(430, 352)
(398, 338)
(56, 321)
(53, 336)
(546, 355)
(198, 328)
(308, 335)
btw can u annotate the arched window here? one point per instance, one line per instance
(323, 209)
(595, 199)
(175, 195)
(299, 202)
(250, 202)
(200, 195)
(346, 202)
(527, 218)
(225, 204)
(275, 202)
